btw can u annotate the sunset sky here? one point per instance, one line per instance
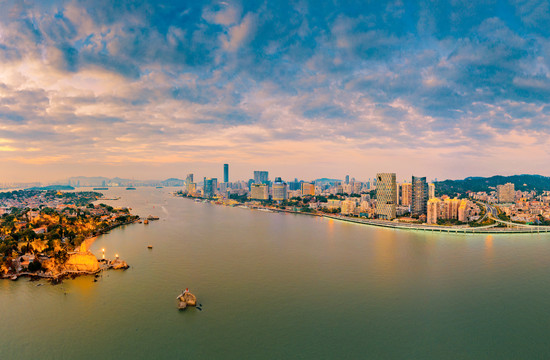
(306, 89)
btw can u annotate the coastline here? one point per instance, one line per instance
(491, 229)
(88, 242)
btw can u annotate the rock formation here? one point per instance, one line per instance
(82, 262)
(187, 299)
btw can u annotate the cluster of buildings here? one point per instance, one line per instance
(260, 187)
(519, 206)
(413, 200)
(419, 198)
(31, 199)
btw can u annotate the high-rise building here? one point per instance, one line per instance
(225, 173)
(295, 185)
(259, 192)
(189, 179)
(308, 189)
(280, 190)
(433, 210)
(347, 179)
(406, 194)
(386, 196)
(419, 196)
(506, 193)
(431, 191)
(261, 177)
(210, 186)
(189, 184)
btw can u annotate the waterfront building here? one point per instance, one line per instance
(463, 211)
(347, 179)
(333, 204)
(225, 173)
(259, 192)
(431, 191)
(308, 189)
(280, 190)
(189, 179)
(210, 186)
(506, 193)
(261, 177)
(386, 196)
(191, 188)
(347, 207)
(405, 194)
(433, 210)
(419, 196)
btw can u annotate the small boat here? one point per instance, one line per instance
(149, 246)
(146, 221)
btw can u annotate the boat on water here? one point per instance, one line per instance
(101, 188)
(146, 221)
(151, 217)
(197, 200)
(160, 187)
(149, 246)
(130, 188)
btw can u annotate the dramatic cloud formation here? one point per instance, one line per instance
(302, 88)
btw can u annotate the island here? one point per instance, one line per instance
(47, 233)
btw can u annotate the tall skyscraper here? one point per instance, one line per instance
(210, 186)
(386, 195)
(225, 173)
(419, 196)
(405, 195)
(189, 179)
(347, 179)
(280, 190)
(261, 177)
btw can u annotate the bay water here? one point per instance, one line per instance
(275, 286)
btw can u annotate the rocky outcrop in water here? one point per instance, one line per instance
(186, 299)
(119, 264)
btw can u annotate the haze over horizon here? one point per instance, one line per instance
(149, 89)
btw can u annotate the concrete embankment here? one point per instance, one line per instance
(457, 230)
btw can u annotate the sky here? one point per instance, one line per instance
(305, 89)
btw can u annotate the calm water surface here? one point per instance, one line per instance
(286, 286)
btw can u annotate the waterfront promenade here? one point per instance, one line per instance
(489, 229)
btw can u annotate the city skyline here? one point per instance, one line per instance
(90, 88)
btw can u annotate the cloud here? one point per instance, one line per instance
(183, 81)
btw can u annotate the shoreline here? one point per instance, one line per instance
(491, 229)
(88, 242)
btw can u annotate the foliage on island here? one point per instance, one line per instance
(476, 184)
(56, 224)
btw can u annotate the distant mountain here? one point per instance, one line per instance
(172, 182)
(327, 181)
(523, 182)
(52, 187)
